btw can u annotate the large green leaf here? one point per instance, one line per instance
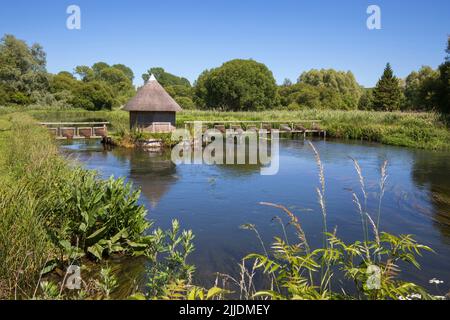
(96, 250)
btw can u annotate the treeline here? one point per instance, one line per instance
(237, 85)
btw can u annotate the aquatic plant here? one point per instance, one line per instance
(372, 265)
(168, 268)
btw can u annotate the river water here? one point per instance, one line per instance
(215, 200)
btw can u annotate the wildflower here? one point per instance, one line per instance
(436, 281)
(414, 296)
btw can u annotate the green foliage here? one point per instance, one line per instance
(312, 97)
(58, 213)
(85, 73)
(93, 95)
(387, 95)
(125, 70)
(22, 71)
(420, 89)
(337, 89)
(165, 79)
(443, 91)
(366, 100)
(115, 81)
(322, 89)
(183, 95)
(168, 268)
(63, 81)
(185, 102)
(178, 88)
(107, 282)
(238, 85)
(104, 216)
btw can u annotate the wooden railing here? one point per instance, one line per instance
(77, 130)
(294, 127)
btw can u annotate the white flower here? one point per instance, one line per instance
(436, 281)
(414, 296)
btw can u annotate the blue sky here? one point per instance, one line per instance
(186, 37)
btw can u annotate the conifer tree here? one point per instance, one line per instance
(387, 95)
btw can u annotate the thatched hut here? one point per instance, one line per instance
(152, 109)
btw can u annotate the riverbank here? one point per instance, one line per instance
(55, 214)
(415, 130)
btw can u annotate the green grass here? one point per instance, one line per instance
(415, 130)
(53, 213)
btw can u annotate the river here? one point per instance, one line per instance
(214, 200)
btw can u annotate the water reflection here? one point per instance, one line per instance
(429, 173)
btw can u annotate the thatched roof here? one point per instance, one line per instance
(152, 97)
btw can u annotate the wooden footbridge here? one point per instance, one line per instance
(77, 130)
(99, 130)
(302, 127)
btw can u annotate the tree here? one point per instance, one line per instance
(22, 70)
(237, 85)
(443, 90)
(332, 82)
(308, 96)
(180, 91)
(118, 79)
(94, 95)
(85, 73)
(303, 95)
(98, 67)
(420, 89)
(164, 78)
(287, 82)
(115, 78)
(121, 85)
(366, 100)
(185, 102)
(63, 81)
(126, 71)
(387, 95)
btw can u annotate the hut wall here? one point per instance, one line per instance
(144, 119)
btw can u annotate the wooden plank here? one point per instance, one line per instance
(252, 121)
(72, 123)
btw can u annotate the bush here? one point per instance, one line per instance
(237, 85)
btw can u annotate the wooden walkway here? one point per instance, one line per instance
(77, 130)
(302, 127)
